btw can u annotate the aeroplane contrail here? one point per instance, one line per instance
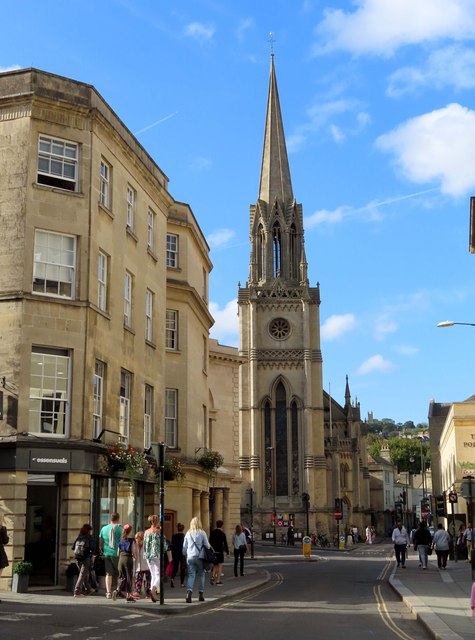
(154, 124)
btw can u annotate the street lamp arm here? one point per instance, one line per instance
(450, 323)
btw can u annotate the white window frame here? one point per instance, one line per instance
(131, 198)
(98, 394)
(171, 418)
(128, 291)
(54, 262)
(150, 230)
(102, 280)
(172, 251)
(148, 416)
(105, 184)
(57, 163)
(125, 396)
(149, 315)
(171, 330)
(50, 392)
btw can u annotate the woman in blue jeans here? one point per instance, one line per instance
(193, 549)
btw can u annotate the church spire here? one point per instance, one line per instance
(275, 171)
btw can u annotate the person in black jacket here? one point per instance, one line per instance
(83, 548)
(218, 541)
(179, 561)
(422, 542)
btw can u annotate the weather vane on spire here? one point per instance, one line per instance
(271, 40)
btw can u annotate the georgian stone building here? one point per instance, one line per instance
(104, 326)
(296, 441)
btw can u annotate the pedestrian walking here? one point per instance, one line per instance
(109, 537)
(219, 542)
(83, 548)
(369, 535)
(151, 553)
(4, 540)
(125, 566)
(422, 541)
(179, 561)
(240, 549)
(400, 538)
(468, 535)
(441, 543)
(290, 536)
(194, 544)
(142, 571)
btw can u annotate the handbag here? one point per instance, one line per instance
(169, 570)
(243, 548)
(429, 551)
(209, 555)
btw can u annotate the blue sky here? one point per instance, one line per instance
(378, 101)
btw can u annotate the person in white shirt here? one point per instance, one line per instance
(193, 545)
(441, 545)
(400, 539)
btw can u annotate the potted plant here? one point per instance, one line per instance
(21, 576)
(210, 461)
(128, 459)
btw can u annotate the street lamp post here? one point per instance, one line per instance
(273, 474)
(450, 323)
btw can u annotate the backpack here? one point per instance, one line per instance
(81, 548)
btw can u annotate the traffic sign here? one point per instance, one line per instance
(338, 515)
(453, 497)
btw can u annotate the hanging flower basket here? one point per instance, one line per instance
(174, 469)
(127, 459)
(210, 461)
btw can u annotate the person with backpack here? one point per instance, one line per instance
(83, 548)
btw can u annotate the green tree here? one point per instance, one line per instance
(375, 443)
(405, 454)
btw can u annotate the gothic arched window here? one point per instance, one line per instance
(277, 246)
(281, 429)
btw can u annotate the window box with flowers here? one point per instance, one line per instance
(210, 461)
(127, 459)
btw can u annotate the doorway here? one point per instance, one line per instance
(41, 533)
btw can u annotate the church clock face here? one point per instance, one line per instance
(279, 329)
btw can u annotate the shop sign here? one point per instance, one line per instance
(49, 460)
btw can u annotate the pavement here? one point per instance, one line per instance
(440, 599)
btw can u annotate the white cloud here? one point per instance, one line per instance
(384, 325)
(436, 147)
(382, 26)
(375, 363)
(368, 212)
(335, 326)
(226, 326)
(200, 32)
(200, 163)
(220, 237)
(322, 115)
(452, 66)
(244, 26)
(13, 67)
(406, 350)
(337, 133)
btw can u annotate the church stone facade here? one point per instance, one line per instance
(300, 450)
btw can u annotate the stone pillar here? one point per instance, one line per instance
(204, 499)
(218, 506)
(227, 525)
(196, 504)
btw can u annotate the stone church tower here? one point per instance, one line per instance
(281, 392)
(301, 453)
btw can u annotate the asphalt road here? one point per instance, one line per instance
(340, 596)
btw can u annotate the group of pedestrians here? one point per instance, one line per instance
(423, 543)
(186, 554)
